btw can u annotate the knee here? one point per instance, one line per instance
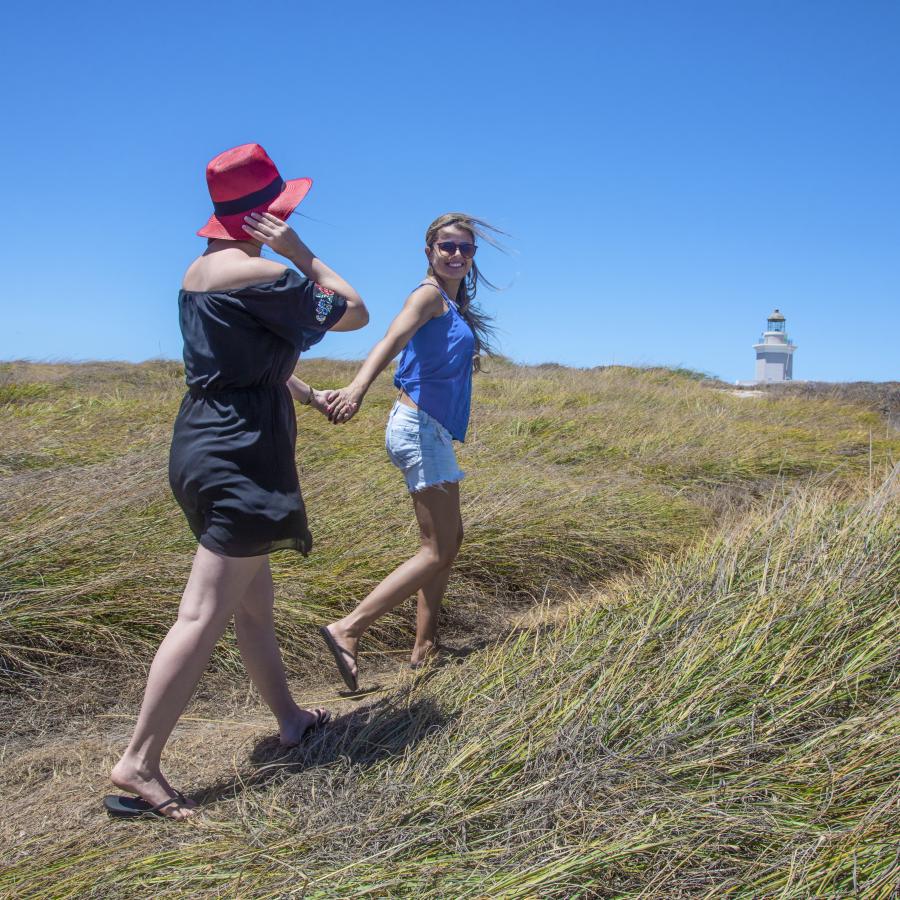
(202, 617)
(451, 550)
(431, 555)
(203, 613)
(454, 547)
(443, 555)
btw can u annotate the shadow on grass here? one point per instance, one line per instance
(363, 737)
(359, 739)
(449, 655)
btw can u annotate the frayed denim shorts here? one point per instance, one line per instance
(421, 448)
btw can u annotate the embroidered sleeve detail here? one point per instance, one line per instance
(324, 302)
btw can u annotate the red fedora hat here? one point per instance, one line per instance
(244, 180)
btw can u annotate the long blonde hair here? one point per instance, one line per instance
(480, 323)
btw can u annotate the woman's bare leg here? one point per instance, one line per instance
(428, 607)
(255, 629)
(437, 512)
(215, 587)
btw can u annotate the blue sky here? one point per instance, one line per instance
(669, 171)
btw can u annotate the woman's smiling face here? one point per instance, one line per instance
(452, 266)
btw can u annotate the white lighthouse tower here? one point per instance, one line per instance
(774, 352)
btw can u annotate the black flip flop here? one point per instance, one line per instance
(339, 652)
(119, 806)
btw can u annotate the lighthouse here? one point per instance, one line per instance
(774, 352)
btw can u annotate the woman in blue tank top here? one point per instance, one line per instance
(442, 336)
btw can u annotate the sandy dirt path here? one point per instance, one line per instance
(62, 740)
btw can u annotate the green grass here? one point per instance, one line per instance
(725, 724)
(701, 702)
(95, 552)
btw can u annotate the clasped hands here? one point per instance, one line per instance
(342, 405)
(339, 406)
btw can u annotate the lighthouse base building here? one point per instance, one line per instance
(774, 352)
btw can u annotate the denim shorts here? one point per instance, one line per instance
(421, 448)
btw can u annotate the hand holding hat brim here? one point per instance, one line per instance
(272, 231)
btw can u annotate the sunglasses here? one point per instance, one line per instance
(448, 248)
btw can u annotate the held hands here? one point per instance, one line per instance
(318, 400)
(307, 395)
(342, 405)
(270, 230)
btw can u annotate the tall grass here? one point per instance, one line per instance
(572, 475)
(724, 724)
(702, 700)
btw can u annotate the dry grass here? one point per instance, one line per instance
(881, 396)
(573, 475)
(714, 713)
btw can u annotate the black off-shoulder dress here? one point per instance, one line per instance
(231, 465)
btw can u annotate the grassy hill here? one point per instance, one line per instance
(671, 638)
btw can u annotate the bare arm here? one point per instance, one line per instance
(278, 235)
(423, 304)
(307, 395)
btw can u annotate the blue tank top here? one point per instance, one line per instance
(435, 369)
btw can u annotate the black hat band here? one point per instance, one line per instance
(250, 201)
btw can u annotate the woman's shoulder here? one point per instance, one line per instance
(205, 276)
(428, 295)
(427, 288)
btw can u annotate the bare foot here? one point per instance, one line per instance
(149, 785)
(421, 653)
(292, 732)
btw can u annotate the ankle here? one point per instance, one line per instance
(421, 651)
(137, 764)
(287, 715)
(131, 775)
(349, 628)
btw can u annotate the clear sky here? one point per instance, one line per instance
(670, 171)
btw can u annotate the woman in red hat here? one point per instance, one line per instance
(245, 321)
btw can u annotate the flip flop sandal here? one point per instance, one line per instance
(119, 806)
(339, 652)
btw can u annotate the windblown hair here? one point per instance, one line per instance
(480, 323)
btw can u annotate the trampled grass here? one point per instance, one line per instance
(712, 712)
